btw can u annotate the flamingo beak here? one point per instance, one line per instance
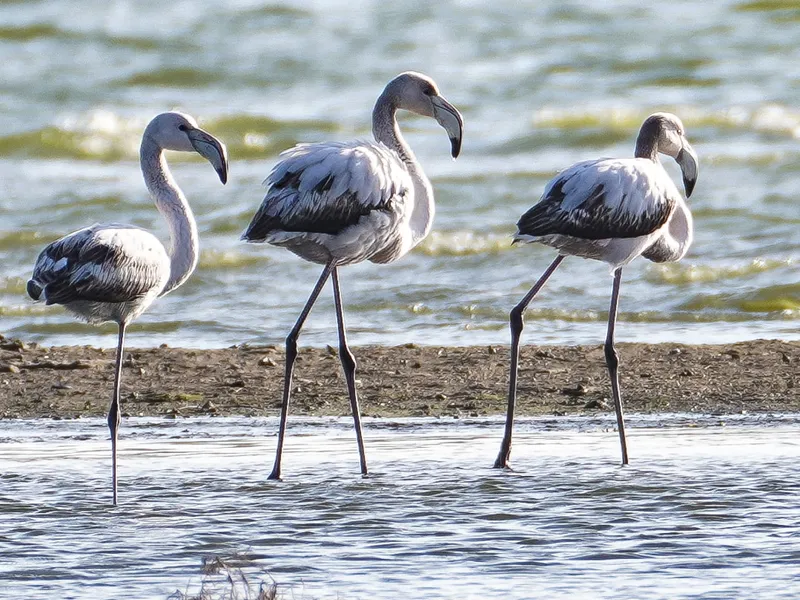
(450, 119)
(213, 150)
(687, 160)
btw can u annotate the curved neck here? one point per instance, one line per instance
(387, 132)
(171, 203)
(676, 237)
(647, 142)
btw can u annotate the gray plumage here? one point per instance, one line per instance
(102, 273)
(326, 188)
(602, 209)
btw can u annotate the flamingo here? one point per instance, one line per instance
(112, 272)
(340, 203)
(611, 210)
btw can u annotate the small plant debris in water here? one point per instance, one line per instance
(225, 580)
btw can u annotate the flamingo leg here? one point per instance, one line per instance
(612, 361)
(114, 411)
(517, 324)
(291, 355)
(349, 368)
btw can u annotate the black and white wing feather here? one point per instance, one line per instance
(328, 187)
(102, 263)
(601, 199)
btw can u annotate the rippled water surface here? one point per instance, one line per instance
(540, 84)
(707, 509)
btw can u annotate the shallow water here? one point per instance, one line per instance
(707, 509)
(541, 85)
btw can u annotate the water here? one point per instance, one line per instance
(540, 84)
(707, 508)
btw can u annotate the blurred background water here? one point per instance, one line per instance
(540, 84)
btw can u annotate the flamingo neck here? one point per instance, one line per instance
(676, 237)
(184, 246)
(386, 131)
(647, 142)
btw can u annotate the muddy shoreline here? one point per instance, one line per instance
(409, 380)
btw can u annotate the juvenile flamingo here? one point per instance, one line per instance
(340, 203)
(113, 272)
(611, 210)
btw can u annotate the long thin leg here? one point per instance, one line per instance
(114, 411)
(612, 361)
(516, 324)
(349, 367)
(291, 354)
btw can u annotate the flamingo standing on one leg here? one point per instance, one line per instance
(113, 272)
(611, 210)
(339, 203)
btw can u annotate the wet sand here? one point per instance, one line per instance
(409, 380)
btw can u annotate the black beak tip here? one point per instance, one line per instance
(223, 174)
(688, 186)
(455, 147)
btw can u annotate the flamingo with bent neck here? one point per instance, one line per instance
(113, 272)
(339, 203)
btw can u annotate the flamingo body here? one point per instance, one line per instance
(609, 210)
(346, 201)
(102, 273)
